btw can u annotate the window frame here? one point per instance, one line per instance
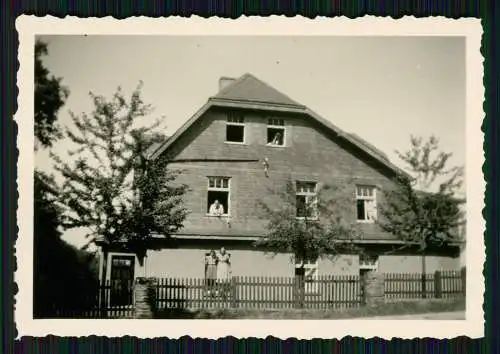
(227, 211)
(365, 199)
(236, 119)
(310, 288)
(271, 125)
(307, 195)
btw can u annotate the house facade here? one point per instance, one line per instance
(245, 142)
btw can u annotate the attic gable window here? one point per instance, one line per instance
(235, 128)
(366, 203)
(275, 132)
(306, 200)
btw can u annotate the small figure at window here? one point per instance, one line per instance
(216, 209)
(277, 139)
(211, 270)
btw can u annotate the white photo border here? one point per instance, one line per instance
(473, 326)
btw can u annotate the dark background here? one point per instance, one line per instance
(488, 11)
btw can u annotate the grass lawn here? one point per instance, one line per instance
(390, 308)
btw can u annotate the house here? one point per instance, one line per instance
(250, 138)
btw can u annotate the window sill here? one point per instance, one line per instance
(234, 143)
(275, 146)
(367, 268)
(304, 218)
(218, 216)
(365, 221)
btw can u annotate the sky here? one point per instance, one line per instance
(384, 89)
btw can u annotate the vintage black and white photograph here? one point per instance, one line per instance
(264, 177)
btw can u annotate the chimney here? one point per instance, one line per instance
(225, 82)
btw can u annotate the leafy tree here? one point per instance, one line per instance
(64, 277)
(109, 187)
(62, 273)
(50, 96)
(309, 228)
(425, 211)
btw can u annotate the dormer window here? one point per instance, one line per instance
(275, 132)
(235, 128)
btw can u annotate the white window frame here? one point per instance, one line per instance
(310, 287)
(227, 212)
(368, 263)
(307, 195)
(236, 119)
(271, 124)
(371, 197)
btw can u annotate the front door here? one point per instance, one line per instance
(122, 277)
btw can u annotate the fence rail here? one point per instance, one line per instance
(441, 284)
(115, 299)
(260, 293)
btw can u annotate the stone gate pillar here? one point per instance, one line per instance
(373, 288)
(144, 298)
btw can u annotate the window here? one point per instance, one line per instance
(235, 128)
(218, 196)
(306, 202)
(368, 262)
(366, 203)
(276, 132)
(309, 270)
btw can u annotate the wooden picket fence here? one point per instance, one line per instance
(116, 299)
(260, 293)
(439, 285)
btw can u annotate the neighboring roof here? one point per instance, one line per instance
(249, 92)
(250, 89)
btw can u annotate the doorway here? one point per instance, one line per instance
(121, 279)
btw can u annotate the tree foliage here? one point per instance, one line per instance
(323, 231)
(62, 274)
(425, 210)
(50, 96)
(109, 187)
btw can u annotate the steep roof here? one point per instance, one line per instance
(250, 92)
(153, 147)
(250, 89)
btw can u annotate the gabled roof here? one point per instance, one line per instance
(250, 89)
(251, 93)
(153, 147)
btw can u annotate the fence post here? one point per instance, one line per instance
(298, 291)
(438, 286)
(374, 291)
(234, 292)
(463, 276)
